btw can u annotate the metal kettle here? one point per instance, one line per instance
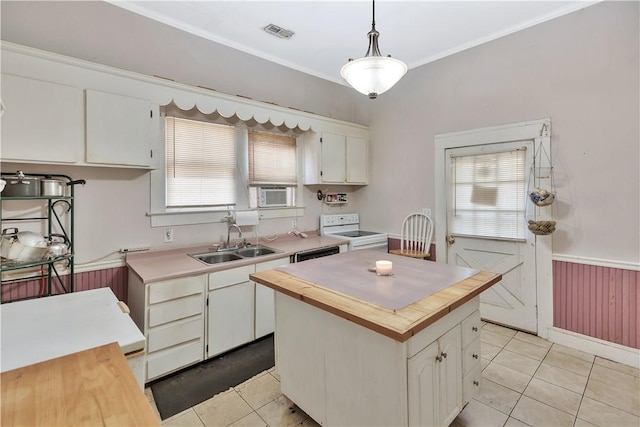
(58, 245)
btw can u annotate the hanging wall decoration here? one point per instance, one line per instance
(542, 189)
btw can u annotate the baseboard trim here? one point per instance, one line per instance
(605, 349)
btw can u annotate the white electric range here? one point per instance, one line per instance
(347, 226)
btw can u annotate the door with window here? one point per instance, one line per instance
(482, 216)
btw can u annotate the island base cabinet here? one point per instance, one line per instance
(435, 382)
(341, 373)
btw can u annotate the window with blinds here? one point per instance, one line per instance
(200, 164)
(487, 195)
(272, 160)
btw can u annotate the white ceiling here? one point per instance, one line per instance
(328, 33)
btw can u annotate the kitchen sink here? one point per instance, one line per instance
(254, 251)
(216, 257)
(227, 255)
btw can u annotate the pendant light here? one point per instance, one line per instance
(374, 74)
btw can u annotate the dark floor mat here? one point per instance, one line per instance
(187, 388)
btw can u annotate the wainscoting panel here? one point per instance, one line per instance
(601, 302)
(114, 278)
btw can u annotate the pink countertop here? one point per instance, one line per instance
(155, 266)
(351, 274)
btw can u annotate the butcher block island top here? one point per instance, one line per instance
(91, 387)
(417, 294)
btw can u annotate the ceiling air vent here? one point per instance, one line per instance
(278, 31)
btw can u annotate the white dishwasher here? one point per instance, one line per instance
(41, 329)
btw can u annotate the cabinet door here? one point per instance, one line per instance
(265, 300)
(118, 129)
(42, 122)
(424, 393)
(357, 160)
(230, 317)
(450, 376)
(333, 158)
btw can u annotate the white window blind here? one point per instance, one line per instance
(487, 195)
(272, 159)
(200, 164)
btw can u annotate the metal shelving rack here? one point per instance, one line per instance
(52, 217)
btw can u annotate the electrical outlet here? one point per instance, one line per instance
(426, 211)
(293, 224)
(168, 235)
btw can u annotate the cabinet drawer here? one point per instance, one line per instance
(173, 359)
(177, 309)
(175, 333)
(470, 328)
(471, 384)
(176, 288)
(270, 265)
(470, 356)
(220, 279)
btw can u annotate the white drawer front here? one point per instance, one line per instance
(220, 279)
(470, 328)
(471, 384)
(174, 310)
(173, 359)
(270, 265)
(470, 356)
(176, 288)
(175, 333)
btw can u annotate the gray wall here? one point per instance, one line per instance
(581, 70)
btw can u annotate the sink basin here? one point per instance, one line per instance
(216, 257)
(255, 251)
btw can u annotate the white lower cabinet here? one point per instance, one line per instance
(471, 366)
(341, 373)
(189, 319)
(171, 315)
(435, 382)
(230, 310)
(265, 321)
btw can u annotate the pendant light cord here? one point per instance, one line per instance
(373, 14)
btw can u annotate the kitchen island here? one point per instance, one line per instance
(355, 348)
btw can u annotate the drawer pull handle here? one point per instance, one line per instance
(475, 356)
(474, 329)
(439, 359)
(443, 354)
(476, 383)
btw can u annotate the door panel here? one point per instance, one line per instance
(512, 301)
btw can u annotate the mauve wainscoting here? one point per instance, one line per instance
(114, 278)
(601, 302)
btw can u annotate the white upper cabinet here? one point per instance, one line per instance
(336, 158)
(119, 129)
(42, 122)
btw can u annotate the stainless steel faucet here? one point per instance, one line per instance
(229, 232)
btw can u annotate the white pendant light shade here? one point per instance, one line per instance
(373, 75)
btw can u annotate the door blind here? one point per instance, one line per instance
(487, 195)
(272, 159)
(200, 164)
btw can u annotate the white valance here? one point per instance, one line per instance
(209, 101)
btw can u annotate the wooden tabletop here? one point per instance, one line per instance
(88, 388)
(307, 282)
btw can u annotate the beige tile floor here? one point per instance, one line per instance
(527, 381)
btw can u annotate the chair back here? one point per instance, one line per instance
(417, 230)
